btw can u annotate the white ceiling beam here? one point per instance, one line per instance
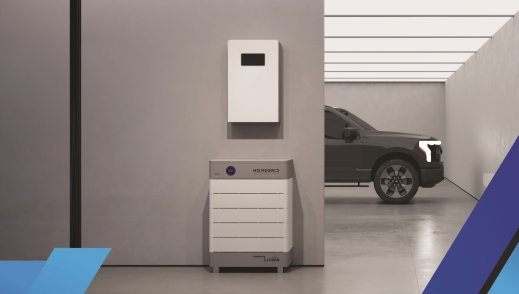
(396, 57)
(414, 74)
(437, 7)
(403, 44)
(437, 27)
(384, 80)
(391, 67)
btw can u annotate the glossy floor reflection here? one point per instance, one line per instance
(371, 247)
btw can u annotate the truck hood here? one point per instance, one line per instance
(397, 135)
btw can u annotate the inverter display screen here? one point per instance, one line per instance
(253, 59)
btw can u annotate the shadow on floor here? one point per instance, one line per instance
(376, 200)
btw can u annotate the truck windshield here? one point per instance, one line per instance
(357, 120)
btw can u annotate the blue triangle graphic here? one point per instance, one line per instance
(485, 236)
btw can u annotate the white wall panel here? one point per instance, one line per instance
(482, 110)
(401, 107)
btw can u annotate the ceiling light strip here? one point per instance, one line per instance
(393, 67)
(422, 62)
(400, 78)
(385, 80)
(408, 27)
(419, 15)
(407, 37)
(389, 71)
(396, 44)
(415, 51)
(397, 57)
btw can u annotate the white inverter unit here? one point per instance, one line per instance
(253, 81)
(250, 213)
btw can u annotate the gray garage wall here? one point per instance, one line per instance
(482, 118)
(154, 110)
(34, 128)
(402, 107)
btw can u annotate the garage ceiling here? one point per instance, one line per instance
(407, 40)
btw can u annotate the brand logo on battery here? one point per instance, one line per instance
(268, 258)
(265, 170)
(230, 170)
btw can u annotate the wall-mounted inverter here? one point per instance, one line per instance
(250, 213)
(253, 81)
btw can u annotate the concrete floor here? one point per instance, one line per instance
(371, 247)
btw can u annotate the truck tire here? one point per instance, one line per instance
(396, 181)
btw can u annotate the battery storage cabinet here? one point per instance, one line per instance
(250, 213)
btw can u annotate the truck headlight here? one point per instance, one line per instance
(424, 145)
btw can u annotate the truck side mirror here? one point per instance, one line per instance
(349, 134)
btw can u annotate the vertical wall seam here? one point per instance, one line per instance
(75, 123)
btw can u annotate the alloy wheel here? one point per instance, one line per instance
(396, 181)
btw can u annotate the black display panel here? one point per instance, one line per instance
(253, 59)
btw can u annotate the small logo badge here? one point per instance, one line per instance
(230, 170)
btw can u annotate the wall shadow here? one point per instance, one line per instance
(298, 224)
(254, 131)
(205, 231)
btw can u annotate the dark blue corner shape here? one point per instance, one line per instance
(67, 271)
(485, 236)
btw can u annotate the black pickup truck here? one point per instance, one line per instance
(396, 163)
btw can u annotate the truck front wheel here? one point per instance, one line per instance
(396, 181)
